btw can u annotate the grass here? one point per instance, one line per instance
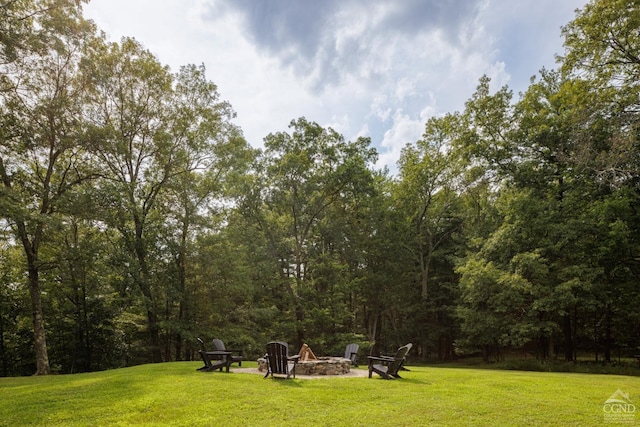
(175, 394)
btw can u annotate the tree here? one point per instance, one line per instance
(602, 50)
(81, 301)
(129, 114)
(430, 172)
(604, 42)
(546, 148)
(44, 150)
(603, 54)
(214, 155)
(30, 26)
(299, 178)
(155, 132)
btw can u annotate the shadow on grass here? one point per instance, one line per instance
(284, 382)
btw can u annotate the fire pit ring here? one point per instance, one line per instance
(320, 366)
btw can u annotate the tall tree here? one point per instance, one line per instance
(155, 132)
(547, 153)
(44, 152)
(603, 54)
(300, 176)
(430, 173)
(214, 155)
(129, 113)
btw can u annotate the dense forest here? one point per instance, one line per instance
(134, 216)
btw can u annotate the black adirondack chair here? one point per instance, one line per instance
(388, 367)
(236, 356)
(351, 353)
(213, 360)
(402, 367)
(278, 360)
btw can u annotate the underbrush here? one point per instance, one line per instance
(617, 367)
(583, 367)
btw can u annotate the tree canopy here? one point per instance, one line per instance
(134, 216)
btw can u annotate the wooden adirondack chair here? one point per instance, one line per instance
(278, 360)
(388, 367)
(402, 367)
(351, 353)
(235, 358)
(212, 359)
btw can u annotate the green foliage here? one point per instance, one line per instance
(135, 218)
(565, 148)
(603, 39)
(306, 191)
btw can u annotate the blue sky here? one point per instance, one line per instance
(376, 68)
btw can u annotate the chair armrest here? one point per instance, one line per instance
(236, 354)
(381, 358)
(296, 357)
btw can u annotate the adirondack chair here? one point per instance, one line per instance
(402, 367)
(388, 367)
(237, 358)
(351, 352)
(278, 360)
(212, 359)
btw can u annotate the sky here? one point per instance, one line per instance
(372, 68)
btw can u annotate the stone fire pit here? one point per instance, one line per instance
(321, 366)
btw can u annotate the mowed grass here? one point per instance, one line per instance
(175, 394)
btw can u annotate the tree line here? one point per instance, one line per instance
(134, 216)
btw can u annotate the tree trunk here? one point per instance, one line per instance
(3, 354)
(154, 336)
(425, 282)
(608, 340)
(445, 348)
(486, 353)
(40, 341)
(145, 286)
(299, 322)
(169, 332)
(568, 337)
(85, 328)
(152, 319)
(425, 263)
(374, 335)
(178, 346)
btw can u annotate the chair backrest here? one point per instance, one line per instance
(219, 345)
(203, 353)
(408, 348)
(398, 359)
(277, 355)
(351, 352)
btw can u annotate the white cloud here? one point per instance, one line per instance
(405, 129)
(377, 68)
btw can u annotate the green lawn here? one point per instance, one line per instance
(175, 394)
